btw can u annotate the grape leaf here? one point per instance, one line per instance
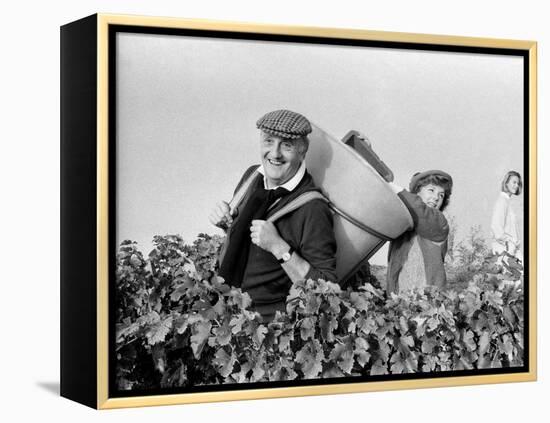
(224, 361)
(312, 304)
(359, 301)
(484, 343)
(158, 331)
(307, 328)
(384, 349)
(259, 335)
(219, 307)
(180, 291)
(237, 323)
(406, 342)
(506, 346)
(222, 335)
(159, 358)
(283, 370)
(378, 368)
(428, 345)
(483, 363)
(125, 331)
(334, 304)
(343, 355)
(332, 371)
(430, 363)
(311, 358)
(201, 333)
(181, 324)
(398, 364)
(468, 338)
(284, 341)
(367, 325)
(241, 375)
(328, 324)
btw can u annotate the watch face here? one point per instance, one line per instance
(286, 256)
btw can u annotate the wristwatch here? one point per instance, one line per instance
(286, 256)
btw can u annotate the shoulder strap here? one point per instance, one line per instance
(237, 198)
(296, 203)
(316, 195)
(313, 195)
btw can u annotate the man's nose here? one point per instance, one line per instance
(276, 149)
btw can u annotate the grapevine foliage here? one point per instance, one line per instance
(178, 324)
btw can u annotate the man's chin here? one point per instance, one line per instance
(274, 172)
(276, 178)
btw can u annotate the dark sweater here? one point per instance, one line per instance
(309, 230)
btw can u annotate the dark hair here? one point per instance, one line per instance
(507, 177)
(438, 180)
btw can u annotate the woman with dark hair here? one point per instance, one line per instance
(504, 224)
(416, 258)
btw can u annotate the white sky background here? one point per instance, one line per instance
(187, 109)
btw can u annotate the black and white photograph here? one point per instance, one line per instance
(293, 210)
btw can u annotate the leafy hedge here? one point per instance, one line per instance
(180, 325)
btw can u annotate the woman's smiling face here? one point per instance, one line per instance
(432, 195)
(512, 185)
(281, 158)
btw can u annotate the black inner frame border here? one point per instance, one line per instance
(113, 30)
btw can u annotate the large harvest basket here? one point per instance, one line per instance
(367, 213)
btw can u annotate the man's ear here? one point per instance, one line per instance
(305, 146)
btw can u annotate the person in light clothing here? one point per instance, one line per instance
(504, 224)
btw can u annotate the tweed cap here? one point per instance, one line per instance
(421, 175)
(284, 123)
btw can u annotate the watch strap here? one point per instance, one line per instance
(288, 254)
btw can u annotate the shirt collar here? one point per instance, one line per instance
(293, 182)
(505, 195)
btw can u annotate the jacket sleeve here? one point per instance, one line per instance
(318, 245)
(429, 223)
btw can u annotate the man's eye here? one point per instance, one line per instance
(287, 146)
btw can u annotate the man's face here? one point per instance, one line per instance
(432, 195)
(281, 158)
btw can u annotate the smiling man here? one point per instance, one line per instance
(265, 258)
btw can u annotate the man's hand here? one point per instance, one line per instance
(265, 235)
(221, 216)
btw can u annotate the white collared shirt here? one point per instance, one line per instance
(504, 223)
(292, 183)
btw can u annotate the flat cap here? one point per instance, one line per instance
(421, 175)
(284, 123)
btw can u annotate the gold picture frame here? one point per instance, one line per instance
(87, 165)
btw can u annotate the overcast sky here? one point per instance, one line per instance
(187, 109)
